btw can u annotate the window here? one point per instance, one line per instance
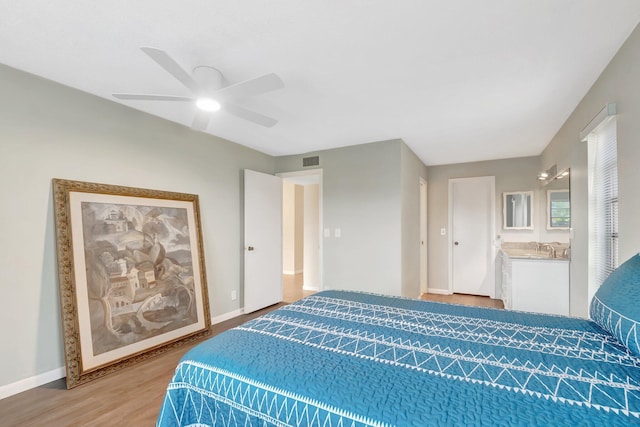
(603, 203)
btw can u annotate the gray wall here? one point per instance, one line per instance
(618, 83)
(361, 197)
(364, 196)
(48, 130)
(510, 175)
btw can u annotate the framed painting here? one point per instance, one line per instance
(131, 275)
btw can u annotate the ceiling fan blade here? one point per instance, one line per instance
(145, 97)
(200, 120)
(250, 87)
(252, 116)
(165, 61)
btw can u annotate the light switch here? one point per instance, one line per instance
(443, 231)
(327, 232)
(337, 233)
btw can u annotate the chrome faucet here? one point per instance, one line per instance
(551, 248)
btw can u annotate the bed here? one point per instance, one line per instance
(341, 358)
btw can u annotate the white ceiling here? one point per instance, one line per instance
(457, 80)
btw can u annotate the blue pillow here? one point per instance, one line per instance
(616, 305)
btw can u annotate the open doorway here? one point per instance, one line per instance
(301, 229)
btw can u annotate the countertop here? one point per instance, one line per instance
(531, 253)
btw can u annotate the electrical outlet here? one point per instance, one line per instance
(443, 231)
(234, 295)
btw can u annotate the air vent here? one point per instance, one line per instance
(310, 161)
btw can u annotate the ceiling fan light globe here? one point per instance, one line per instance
(208, 104)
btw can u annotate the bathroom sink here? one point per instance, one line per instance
(536, 256)
(526, 254)
(532, 253)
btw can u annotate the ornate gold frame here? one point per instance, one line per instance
(66, 193)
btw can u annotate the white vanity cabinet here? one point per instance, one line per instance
(536, 285)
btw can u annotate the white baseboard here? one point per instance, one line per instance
(438, 291)
(227, 316)
(292, 272)
(32, 382)
(56, 374)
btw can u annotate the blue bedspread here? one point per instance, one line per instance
(351, 359)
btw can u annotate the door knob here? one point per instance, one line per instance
(456, 243)
(250, 248)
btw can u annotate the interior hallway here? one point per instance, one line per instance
(292, 288)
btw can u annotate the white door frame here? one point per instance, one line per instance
(424, 282)
(492, 227)
(316, 175)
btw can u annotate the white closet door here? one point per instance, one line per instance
(262, 240)
(472, 230)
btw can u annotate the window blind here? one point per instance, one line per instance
(603, 203)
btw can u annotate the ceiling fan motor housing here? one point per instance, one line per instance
(209, 79)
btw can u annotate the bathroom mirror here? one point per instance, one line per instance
(558, 210)
(518, 210)
(558, 215)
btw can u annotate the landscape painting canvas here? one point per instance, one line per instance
(132, 275)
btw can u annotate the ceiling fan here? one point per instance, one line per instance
(208, 91)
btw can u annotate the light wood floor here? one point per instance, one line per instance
(129, 397)
(292, 291)
(464, 299)
(292, 288)
(133, 396)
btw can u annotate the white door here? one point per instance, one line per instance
(472, 216)
(262, 240)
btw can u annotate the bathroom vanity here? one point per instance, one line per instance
(534, 280)
(534, 276)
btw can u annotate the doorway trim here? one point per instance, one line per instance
(424, 277)
(311, 176)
